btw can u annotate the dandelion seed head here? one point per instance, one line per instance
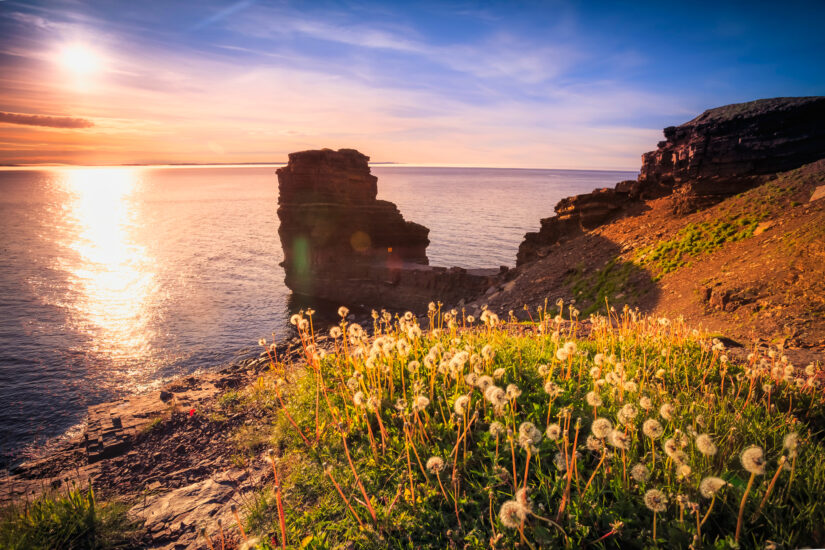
(593, 399)
(498, 374)
(601, 428)
(655, 500)
(791, 441)
(705, 445)
(511, 514)
(593, 443)
(619, 439)
(335, 333)
(753, 460)
(497, 429)
(435, 464)
(343, 312)
(652, 428)
(460, 405)
(553, 432)
(640, 473)
(645, 403)
(709, 486)
(666, 411)
(484, 382)
(512, 391)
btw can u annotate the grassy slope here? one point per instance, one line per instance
(765, 248)
(599, 503)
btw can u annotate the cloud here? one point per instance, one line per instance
(42, 120)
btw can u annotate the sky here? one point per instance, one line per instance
(551, 84)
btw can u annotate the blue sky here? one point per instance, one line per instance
(541, 84)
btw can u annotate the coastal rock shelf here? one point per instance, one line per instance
(341, 243)
(718, 154)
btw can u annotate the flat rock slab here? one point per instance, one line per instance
(819, 193)
(174, 519)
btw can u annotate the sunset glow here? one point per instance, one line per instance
(549, 85)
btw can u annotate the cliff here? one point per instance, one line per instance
(341, 243)
(718, 154)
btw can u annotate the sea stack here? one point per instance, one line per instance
(343, 244)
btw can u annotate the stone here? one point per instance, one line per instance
(819, 193)
(343, 244)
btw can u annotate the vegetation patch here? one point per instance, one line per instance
(70, 520)
(693, 240)
(608, 284)
(482, 433)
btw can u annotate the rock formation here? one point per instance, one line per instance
(720, 153)
(341, 243)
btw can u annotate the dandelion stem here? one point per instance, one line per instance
(742, 508)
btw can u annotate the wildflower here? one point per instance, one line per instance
(599, 359)
(414, 332)
(593, 399)
(753, 460)
(655, 500)
(619, 439)
(601, 427)
(262, 342)
(553, 432)
(355, 330)
(711, 485)
(670, 447)
(484, 382)
(551, 389)
(293, 320)
(191, 412)
(528, 435)
(524, 501)
(592, 443)
(791, 442)
(460, 405)
(403, 348)
(513, 391)
(595, 372)
(645, 403)
(400, 405)
(660, 373)
(652, 428)
(640, 473)
(373, 404)
(705, 445)
(359, 399)
(499, 373)
(335, 333)
(435, 464)
(630, 387)
(683, 471)
(512, 514)
(487, 352)
(471, 319)
(629, 411)
(431, 306)
(496, 396)
(666, 411)
(562, 354)
(560, 461)
(543, 370)
(421, 403)
(497, 429)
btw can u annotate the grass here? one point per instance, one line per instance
(70, 520)
(694, 240)
(393, 440)
(610, 283)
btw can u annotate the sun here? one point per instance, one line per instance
(79, 60)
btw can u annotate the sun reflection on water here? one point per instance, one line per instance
(110, 272)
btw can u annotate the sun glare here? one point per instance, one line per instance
(79, 60)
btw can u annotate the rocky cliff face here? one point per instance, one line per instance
(720, 153)
(725, 150)
(341, 243)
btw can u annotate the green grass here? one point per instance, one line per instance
(594, 501)
(610, 283)
(694, 240)
(70, 520)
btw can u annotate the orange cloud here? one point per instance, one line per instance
(43, 120)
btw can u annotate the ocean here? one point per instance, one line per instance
(114, 280)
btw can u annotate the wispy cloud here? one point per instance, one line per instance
(43, 120)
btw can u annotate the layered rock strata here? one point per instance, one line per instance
(720, 153)
(341, 243)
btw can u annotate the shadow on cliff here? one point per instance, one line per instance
(587, 268)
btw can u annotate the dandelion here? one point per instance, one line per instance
(343, 312)
(652, 428)
(359, 399)
(645, 403)
(487, 352)
(484, 382)
(629, 411)
(710, 485)
(753, 460)
(683, 471)
(551, 389)
(671, 448)
(705, 445)
(497, 429)
(420, 403)
(524, 501)
(593, 399)
(619, 439)
(512, 514)
(498, 374)
(553, 432)
(656, 501)
(592, 443)
(639, 472)
(335, 333)
(528, 434)
(601, 428)
(791, 442)
(599, 359)
(561, 354)
(512, 392)
(355, 331)
(460, 405)
(435, 464)
(666, 411)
